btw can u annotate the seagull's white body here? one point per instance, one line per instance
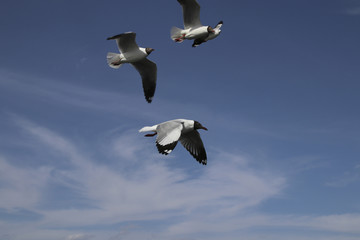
(131, 53)
(130, 57)
(193, 29)
(183, 130)
(178, 35)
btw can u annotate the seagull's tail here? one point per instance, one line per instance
(113, 59)
(148, 129)
(176, 34)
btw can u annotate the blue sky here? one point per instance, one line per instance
(278, 91)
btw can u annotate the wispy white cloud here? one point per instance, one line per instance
(338, 223)
(63, 93)
(226, 192)
(126, 146)
(220, 199)
(344, 179)
(353, 11)
(79, 236)
(21, 188)
(150, 191)
(83, 97)
(229, 227)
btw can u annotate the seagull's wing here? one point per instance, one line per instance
(148, 72)
(168, 134)
(126, 42)
(191, 13)
(193, 143)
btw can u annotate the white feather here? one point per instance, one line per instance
(113, 57)
(172, 136)
(148, 129)
(176, 34)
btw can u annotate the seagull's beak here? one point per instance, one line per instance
(202, 127)
(149, 50)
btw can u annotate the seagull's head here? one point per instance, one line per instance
(149, 50)
(218, 26)
(198, 125)
(210, 29)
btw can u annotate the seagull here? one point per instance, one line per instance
(193, 27)
(131, 53)
(216, 31)
(170, 132)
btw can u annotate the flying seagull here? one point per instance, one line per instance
(170, 132)
(131, 53)
(193, 27)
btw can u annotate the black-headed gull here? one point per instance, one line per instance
(193, 27)
(131, 53)
(170, 132)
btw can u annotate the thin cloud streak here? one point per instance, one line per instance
(353, 11)
(107, 102)
(57, 92)
(21, 187)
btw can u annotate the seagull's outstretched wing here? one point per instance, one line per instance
(148, 72)
(191, 13)
(193, 143)
(168, 134)
(125, 41)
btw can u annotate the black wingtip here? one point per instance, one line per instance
(116, 36)
(202, 161)
(164, 149)
(149, 100)
(201, 158)
(120, 35)
(221, 22)
(149, 95)
(113, 37)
